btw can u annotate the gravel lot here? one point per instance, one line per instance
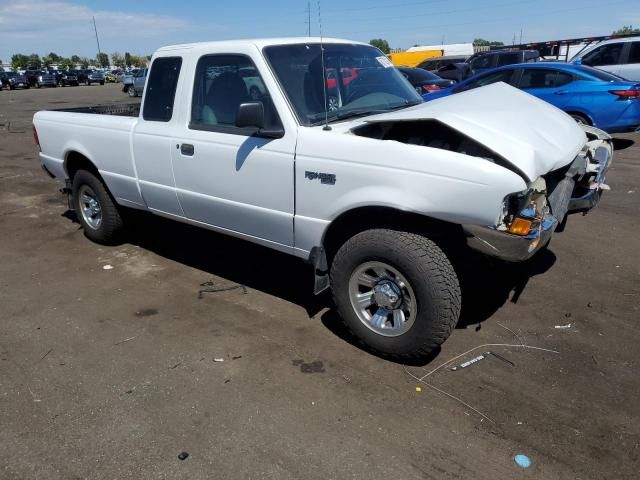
(110, 373)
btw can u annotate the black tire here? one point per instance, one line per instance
(101, 83)
(431, 277)
(111, 226)
(37, 84)
(131, 91)
(579, 118)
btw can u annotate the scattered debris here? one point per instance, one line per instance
(175, 366)
(448, 362)
(125, 340)
(227, 380)
(129, 392)
(146, 312)
(589, 305)
(512, 332)
(218, 359)
(418, 389)
(500, 357)
(183, 455)
(563, 327)
(469, 362)
(108, 267)
(48, 352)
(236, 357)
(522, 460)
(210, 284)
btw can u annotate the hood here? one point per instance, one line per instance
(530, 134)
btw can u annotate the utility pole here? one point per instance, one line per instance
(95, 29)
(520, 35)
(309, 18)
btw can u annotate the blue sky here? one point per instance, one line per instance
(141, 26)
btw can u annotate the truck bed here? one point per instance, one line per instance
(120, 109)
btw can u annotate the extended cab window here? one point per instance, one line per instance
(161, 89)
(222, 84)
(508, 59)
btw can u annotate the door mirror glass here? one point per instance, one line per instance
(250, 114)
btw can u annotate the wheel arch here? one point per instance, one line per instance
(581, 112)
(74, 160)
(359, 219)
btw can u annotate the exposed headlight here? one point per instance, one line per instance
(523, 212)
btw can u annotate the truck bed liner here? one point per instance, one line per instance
(121, 109)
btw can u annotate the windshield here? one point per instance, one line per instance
(358, 80)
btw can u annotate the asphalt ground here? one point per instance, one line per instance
(108, 355)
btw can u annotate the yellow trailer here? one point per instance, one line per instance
(412, 59)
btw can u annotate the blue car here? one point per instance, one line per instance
(590, 96)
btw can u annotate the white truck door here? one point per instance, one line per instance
(152, 139)
(231, 177)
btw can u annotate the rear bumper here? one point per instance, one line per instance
(508, 247)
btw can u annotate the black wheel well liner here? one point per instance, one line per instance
(356, 220)
(75, 161)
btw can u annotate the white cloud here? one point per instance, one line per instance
(41, 26)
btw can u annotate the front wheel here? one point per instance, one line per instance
(96, 209)
(132, 91)
(580, 119)
(397, 292)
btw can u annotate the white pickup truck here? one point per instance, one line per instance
(372, 191)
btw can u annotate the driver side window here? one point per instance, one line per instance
(222, 84)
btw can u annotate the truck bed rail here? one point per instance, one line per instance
(121, 110)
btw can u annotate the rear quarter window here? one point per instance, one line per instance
(161, 89)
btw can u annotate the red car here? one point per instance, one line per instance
(348, 76)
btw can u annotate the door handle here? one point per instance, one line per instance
(187, 149)
(560, 92)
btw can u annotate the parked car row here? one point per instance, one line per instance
(51, 78)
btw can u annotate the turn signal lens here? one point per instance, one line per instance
(520, 226)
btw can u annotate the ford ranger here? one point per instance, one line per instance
(371, 192)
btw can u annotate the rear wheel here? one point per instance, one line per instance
(580, 119)
(96, 209)
(132, 91)
(397, 292)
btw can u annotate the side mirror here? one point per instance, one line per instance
(250, 114)
(578, 62)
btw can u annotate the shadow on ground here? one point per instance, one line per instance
(486, 284)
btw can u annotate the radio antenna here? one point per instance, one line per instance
(324, 74)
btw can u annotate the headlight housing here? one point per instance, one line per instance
(524, 211)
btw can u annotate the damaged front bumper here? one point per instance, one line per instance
(575, 189)
(509, 247)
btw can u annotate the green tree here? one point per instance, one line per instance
(481, 42)
(75, 59)
(103, 60)
(19, 61)
(127, 59)
(66, 64)
(627, 30)
(84, 62)
(381, 44)
(117, 59)
(54, 57)
(35, 61)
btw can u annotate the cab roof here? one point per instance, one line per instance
(258, 42)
